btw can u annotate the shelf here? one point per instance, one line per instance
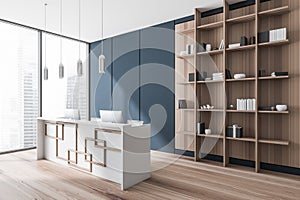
(277, 142)
(242, 48)
(210, 110)
(273, 77)
(210, 26)
(242, 19)
(212, 81)
(186, 83)
(186, 31)
(185, 56)
(241, 139)
(210, 136)
(275, 43)
(242, 79)
(274, 11)
(272, 112)
(214, 52)
(186, 109)
(240, 111)
(186, 133)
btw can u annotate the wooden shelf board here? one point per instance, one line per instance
(240, 111)
(242, 79)
(186, 133)
(210, 26)
(277, 142)
(274, 43)
(186, 109)
(274, 11)
(186, 31)
(214, 52)
(241, 139)
(273, 77)
(210, 136)
(212, 81)
(242, 48)
(186, 83)
(241, 19)
(210, 110)
(185, 56)
(273, 112)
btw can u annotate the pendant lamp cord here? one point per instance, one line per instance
(102, 27)
(60, 31)
(79, 27)
(45, 33)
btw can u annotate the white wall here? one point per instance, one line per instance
(120, 16)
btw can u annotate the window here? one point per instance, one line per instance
(19, 100)
(70, 92)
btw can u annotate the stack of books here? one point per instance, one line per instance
(246, 104)
(217, 76)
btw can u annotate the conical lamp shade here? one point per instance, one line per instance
(45, 73)
(61, 71)
(102, 64)
(79, 68)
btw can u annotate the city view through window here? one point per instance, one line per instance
(19, 101)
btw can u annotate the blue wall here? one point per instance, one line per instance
(133, 63)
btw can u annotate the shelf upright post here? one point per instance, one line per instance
(225, 143)
(197, 141)
(257, 152)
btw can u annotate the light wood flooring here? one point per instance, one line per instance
(22, 178)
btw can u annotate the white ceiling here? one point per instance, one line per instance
(120, 16)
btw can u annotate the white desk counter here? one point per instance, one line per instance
(117, 152)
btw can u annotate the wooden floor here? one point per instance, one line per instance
(22, 177)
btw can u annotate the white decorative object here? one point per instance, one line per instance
(239, 76)
(246, 104)
(281, 107)
(222, 45)
(217, 76)
(230, 46)
(208, 47)
(234, 127)
(207, 131)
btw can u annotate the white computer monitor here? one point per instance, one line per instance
(111, 116)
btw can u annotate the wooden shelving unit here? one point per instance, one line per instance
(241, 19)
(244, 139)
(273, 77)
(274, 11)
(275, 43)
(211, 136)
(240, 111)
(211, 81)
(259, 127)
(242, 79)
(214, 52)
(242, 48)
(276, 142)
(210, 26)
(273, 112)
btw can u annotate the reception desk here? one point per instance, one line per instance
(117, 152)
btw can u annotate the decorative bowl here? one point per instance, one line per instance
(281, 107)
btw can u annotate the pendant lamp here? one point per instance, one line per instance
(45, 49)
(102, 57)
(79, 62)
(61, 66)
